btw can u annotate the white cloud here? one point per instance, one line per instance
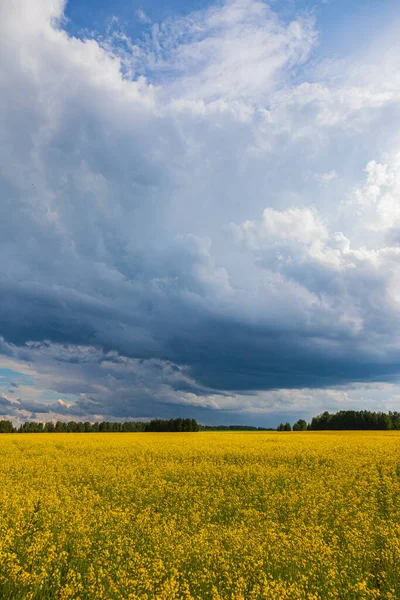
(326, 178)
(234, 50)
(301, 225)
(377, 200)
(143, 17)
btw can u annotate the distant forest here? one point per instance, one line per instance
(233, 428)
(343, 420)
(104, 426)
(347, 420)
(166, 425)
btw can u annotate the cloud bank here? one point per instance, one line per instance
(202, 222)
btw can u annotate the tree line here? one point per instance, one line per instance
(346, 420)
(353, 419)
(234, 428)
(128, 426)
(105, 426)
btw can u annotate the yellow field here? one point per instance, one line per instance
(202, 515)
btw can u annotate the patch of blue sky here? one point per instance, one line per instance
(9, 377)
(50, 396)
(343, 25)
(135, 16)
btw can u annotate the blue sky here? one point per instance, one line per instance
(200, 209)
(343, 25)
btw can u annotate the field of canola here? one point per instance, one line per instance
(214, 516)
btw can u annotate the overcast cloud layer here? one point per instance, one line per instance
(205, 222)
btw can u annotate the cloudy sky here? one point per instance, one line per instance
(199, 209)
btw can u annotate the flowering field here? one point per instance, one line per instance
(203, 516)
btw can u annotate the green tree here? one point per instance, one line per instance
(6, 427)
(60, 427)
(300, 425)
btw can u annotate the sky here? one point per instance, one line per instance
(200, 209)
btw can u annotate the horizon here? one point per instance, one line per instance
(371, 421)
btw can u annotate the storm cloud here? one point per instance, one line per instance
(204, 221)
